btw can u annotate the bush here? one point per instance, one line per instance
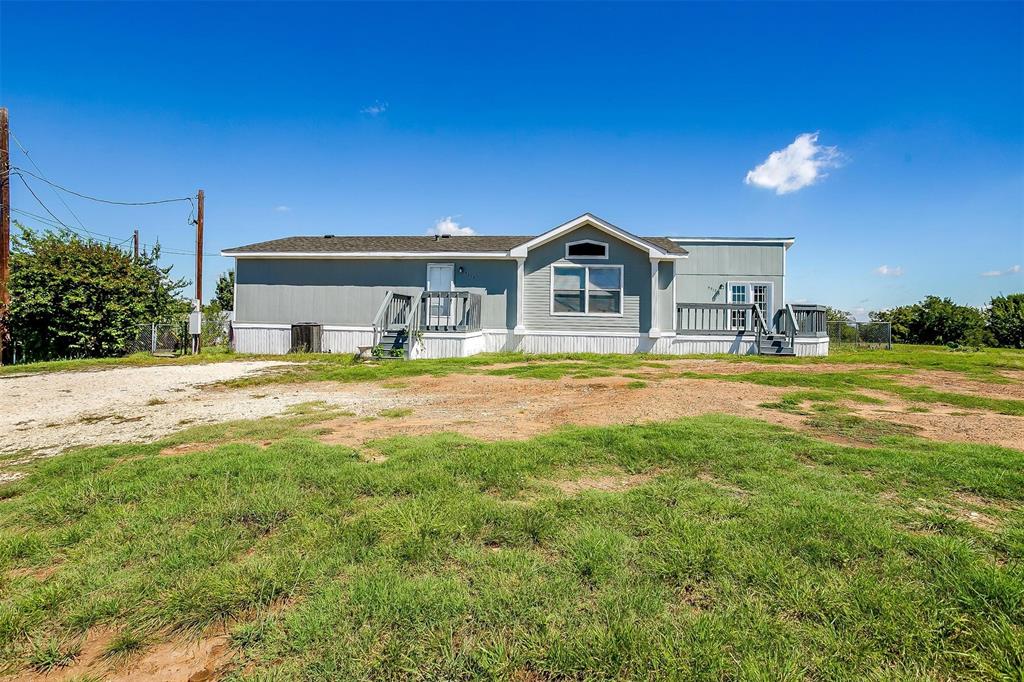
(78, 298)
(936, 321)
(1006, 320)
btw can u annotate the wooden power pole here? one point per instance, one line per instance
(135, 243)
(5, 230)
(196, 343)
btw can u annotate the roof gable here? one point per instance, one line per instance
(655, 247)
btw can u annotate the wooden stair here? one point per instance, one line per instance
(393, 344)
(775, 344)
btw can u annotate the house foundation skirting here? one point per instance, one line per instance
(273, 339)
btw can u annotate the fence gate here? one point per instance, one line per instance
(860, 334)
(161, 339)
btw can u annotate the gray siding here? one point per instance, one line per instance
(348, 292)
(666, 302)
(636, 306)
(704, 276)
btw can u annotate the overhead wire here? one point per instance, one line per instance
(36, 165)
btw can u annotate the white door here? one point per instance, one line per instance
(440, 277)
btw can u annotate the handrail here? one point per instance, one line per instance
(810, 319)
(720, 318)
(792, 327)
(378, 319)
(414, 325)
(759, 322)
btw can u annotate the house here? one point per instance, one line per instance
(583, 286)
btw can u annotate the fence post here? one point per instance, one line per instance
(152, 337)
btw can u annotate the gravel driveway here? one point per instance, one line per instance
(43, 414)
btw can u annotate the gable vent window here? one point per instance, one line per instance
(586, 249)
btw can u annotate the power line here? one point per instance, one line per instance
(59, 222)
(102, 201)
(36, 165)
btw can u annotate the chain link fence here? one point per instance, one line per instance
(859, 334)
(161, 339)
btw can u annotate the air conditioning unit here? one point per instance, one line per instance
(307, 338)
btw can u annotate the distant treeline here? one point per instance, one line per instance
(938, 320)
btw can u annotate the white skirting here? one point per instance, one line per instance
(276, 339)
(811, 345)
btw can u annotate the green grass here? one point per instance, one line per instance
(395, 412)
(831, 386)
(748, 551)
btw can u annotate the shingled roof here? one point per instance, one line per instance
(398, 244)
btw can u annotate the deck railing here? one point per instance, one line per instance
(393, 314)
(810, 320)
(449, 311)
(719, 318)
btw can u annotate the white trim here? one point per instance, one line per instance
(655, 330)
(260, 325)
(520, 327)
(769, 304)
(586, 241)
(767, 241)
(586, 289)
(451, 285)
(334, 255)
(593, 221)
(782, 294)
(453, 335)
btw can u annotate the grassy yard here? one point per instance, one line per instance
(710, 547)
(713, 547)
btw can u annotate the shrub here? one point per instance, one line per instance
(1006, 320)
(79, 298)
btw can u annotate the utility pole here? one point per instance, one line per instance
(135, 243)
(196, 342)
(5, 230)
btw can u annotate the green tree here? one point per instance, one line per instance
(1006, 320)
(224, 294)
(76, 298)
(899, 319)
(940, 320)
(837, 315)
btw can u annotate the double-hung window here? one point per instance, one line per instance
(586, 290)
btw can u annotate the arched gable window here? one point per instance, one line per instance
(586, 248)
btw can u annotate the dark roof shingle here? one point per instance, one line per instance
(402, 244)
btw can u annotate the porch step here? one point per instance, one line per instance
(775, 344)
(392, 345)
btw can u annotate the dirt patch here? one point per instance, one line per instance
(502, 408)
(201, 660)
(187, 448)
(509, 408)
(954, 382)
(608, 484)
(977, 510)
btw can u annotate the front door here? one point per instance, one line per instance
(440, 277)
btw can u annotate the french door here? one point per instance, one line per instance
(759, 293)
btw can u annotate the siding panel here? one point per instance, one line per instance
(636, 286)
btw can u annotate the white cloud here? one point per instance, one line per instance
(375, 109)
(450, 227)
(889, 271)
(800, 164)
(1012, 270)
(282, 208)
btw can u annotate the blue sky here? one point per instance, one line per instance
(512, 118)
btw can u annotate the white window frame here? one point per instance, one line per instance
(748, 285)
(586, 241)
(586, 290)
